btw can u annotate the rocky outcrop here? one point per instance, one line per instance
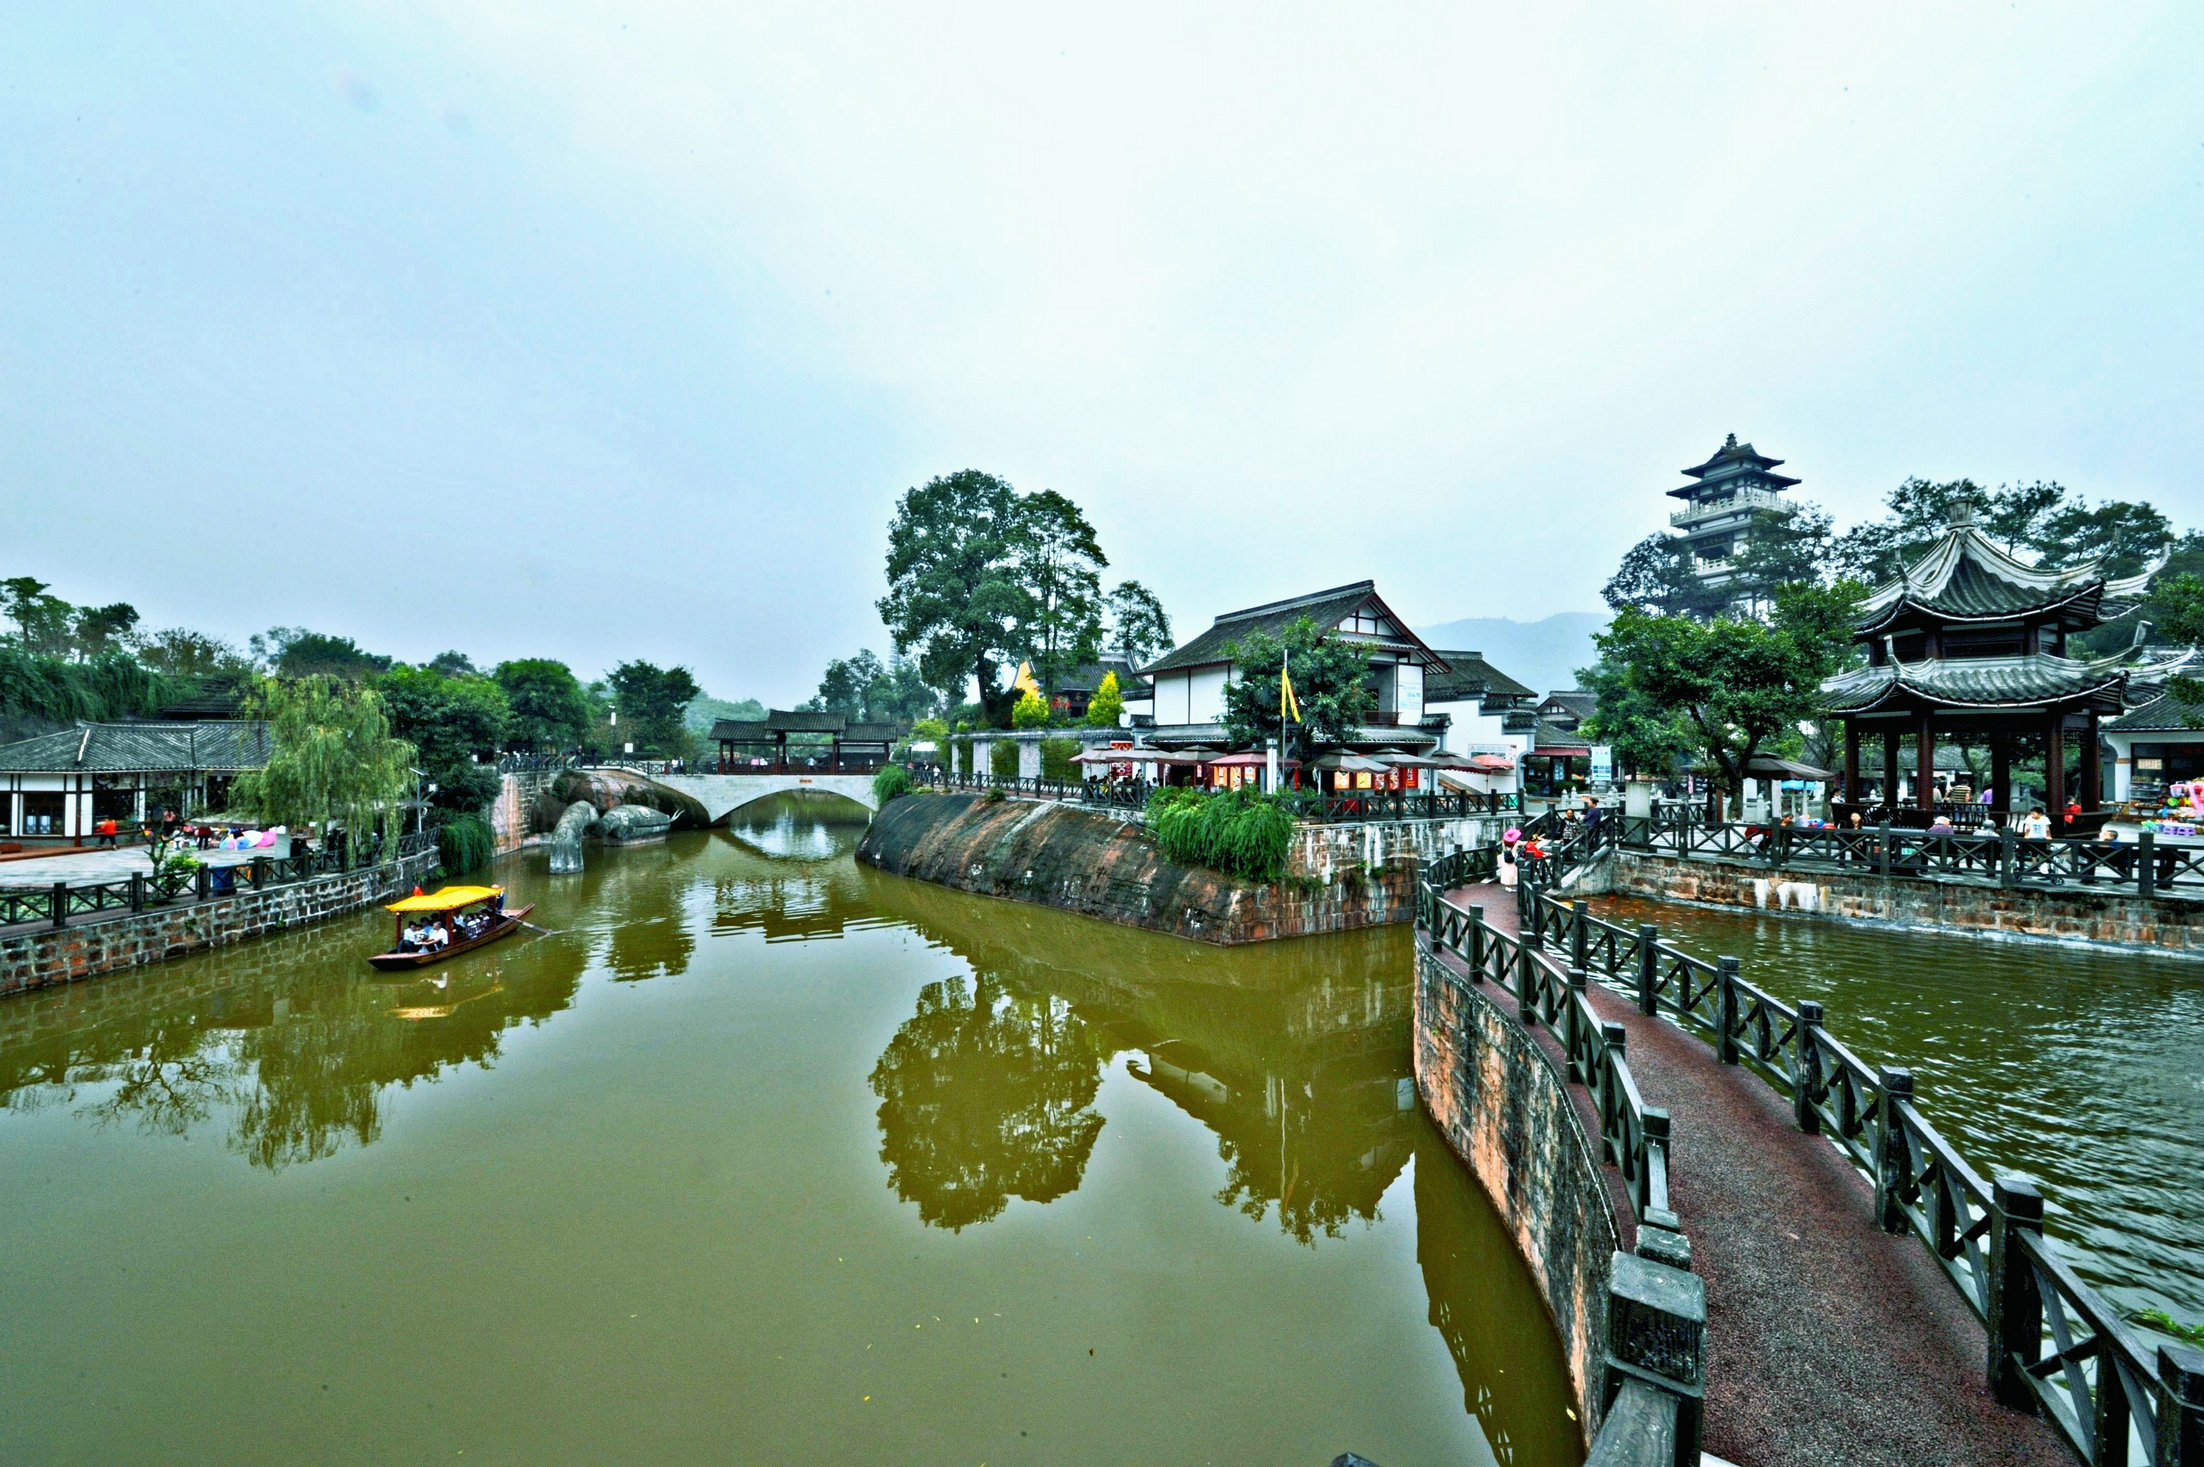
(566, 841)
(627, 824)
(605, 788)
(1061, 855)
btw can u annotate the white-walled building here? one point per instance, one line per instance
(59, 786)
(1189, 681)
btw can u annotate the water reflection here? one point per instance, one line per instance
(1295, 1055)
(258, 1034)
(985, 1095)
(800, 827)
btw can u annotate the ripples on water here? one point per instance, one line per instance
(762, 1155)
(2084, 1068)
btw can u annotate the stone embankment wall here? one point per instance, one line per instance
(513, 815)
(2071, 913)
(1062, 855)
(92, 946)
(1496, 1099)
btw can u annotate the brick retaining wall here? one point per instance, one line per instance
(2070, 913)
(106, 944)
(1495, 1097)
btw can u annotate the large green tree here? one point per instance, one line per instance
(867, 690)
(953, 595)
(456, 726)
(1733, 686)
(1330, 681)
(335, 757)
(297, 652)
(2043, 520)
(651, 700)
(1138, 627)
(1058, 566)
(545, 705)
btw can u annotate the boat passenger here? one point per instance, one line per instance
(436, 936)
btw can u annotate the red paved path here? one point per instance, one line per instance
(1829, 1342)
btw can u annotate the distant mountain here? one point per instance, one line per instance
(1542, 654)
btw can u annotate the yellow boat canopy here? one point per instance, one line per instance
(450, 899)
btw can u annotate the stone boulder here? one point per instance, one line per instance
(627, 824)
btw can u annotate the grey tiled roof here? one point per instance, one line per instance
(1967, 576)
(741, 731)
(1974, 682)
(2162, 714)
(216, 746)
(782, 721)
(1325, 608)
(1472, 677)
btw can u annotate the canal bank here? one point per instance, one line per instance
(1097, 864)
(755, 1135)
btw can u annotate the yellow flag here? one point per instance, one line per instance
(1288, 705)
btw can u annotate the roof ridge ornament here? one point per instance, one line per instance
(1961, 515)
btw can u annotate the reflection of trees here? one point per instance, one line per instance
(796, 826)
(285, 1036)
(1294, 1054)
(984, 1096)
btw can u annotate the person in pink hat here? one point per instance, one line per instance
(1507, 857)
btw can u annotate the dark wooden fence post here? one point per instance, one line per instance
(1892, 1165)
(2146, 865)
(1725, 1012)
(1656, 1333)
(1476, 944)
(1649, 968)
(1574, 1042)
(1580, 936)
(1526, 908)
(2008, 869)
(2015, 1317)
(60, 913)
(137, 891)
(1882, 852)
(2181, 1408)
(203, 882)
(1808, 1075)
(260, 872)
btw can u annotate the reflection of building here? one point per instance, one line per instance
(61, 785)
(1970, 643)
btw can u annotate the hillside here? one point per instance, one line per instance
(1543, 654)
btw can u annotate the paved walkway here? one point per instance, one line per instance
(1829, 1341)
(95, 864)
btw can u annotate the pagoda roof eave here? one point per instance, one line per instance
(2015, 684)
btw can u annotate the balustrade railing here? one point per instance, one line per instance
(2144, 866)
(2055, 1344)
(1315, 806)
(56, 904)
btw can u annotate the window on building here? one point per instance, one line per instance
(44, 812)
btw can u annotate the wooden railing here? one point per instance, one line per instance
(2142, 867)
(2054, 1344)
(56, 904)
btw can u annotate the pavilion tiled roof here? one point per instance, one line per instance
(1326, 608)
(1976, 682)
(1729, 461)
(742, 731)
(211, 746)
(781, 720)
(1968, 577)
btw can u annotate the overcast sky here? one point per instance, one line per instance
(602, 331)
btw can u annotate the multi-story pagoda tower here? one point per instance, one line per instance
(1731, 492)
(1970, 642)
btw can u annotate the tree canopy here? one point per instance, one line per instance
(650, 700)
(545, 706)
(1138, 626)
(1107, 706)
(1330, 681)
(1729, 688)
(335, 757)
(867, 690)
(297, 652)
(452, 722)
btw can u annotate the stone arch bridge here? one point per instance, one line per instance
(716, 796)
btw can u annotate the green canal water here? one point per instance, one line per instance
(2083, 1068)
(762, 1157)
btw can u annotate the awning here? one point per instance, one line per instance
(1251, 761)
(1767, 766)
(1491, 763)
(1560, 751)
(1352, 763)
(450, 899)
(1413, 761)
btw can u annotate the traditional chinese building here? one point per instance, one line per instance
(60, 786)
(1969, 643)
(1732, 493)
(798, 741)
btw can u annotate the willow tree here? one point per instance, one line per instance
(334, 758)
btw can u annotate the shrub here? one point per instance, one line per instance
(465, 843)
(1107, 704)
(1056, 757)
(892, 780)
(1240, 832)
(1002, 759)
(1031, 712)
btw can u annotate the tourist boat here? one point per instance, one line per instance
(449, 902)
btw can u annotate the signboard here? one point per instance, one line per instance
(1603, 764)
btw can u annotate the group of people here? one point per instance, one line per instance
(1514, 851)
(434, 933)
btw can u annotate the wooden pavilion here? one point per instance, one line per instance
(823, 743)
(1969, 643)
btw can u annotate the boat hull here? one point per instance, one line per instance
(397, 962)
